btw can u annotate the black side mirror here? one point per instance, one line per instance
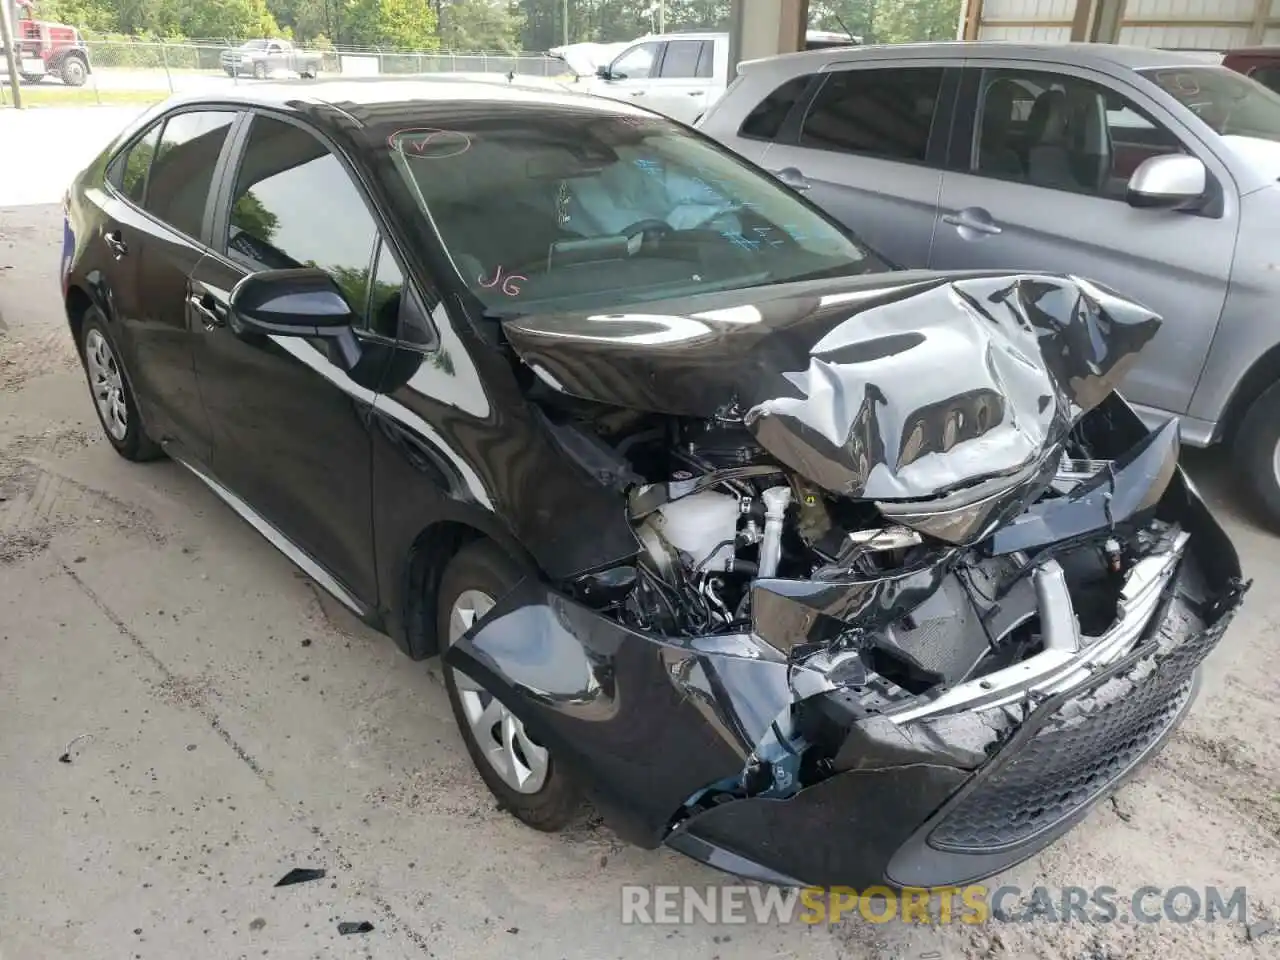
(294, 303)
(603, 73)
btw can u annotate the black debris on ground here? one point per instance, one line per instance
(300, 875)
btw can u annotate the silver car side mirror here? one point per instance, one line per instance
(1167, 181)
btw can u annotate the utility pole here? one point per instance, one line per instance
(662, 16)
(10, 54)
(564, 15)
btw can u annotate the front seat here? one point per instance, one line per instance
(996, 155)
(1048, 139)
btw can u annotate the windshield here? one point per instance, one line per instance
(568, 208)
(1232, 104)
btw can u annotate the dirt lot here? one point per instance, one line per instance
(241, 724)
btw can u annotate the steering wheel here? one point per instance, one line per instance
(648, 231)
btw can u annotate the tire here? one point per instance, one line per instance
(260, 71)
(482, 569)
(111, 392)
(73, 70)
(1257, 452)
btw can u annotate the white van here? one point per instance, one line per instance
(680, 74)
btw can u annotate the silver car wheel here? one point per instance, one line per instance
(107, 384)
(521, 763)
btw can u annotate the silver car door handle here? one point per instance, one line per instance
(207, 313)
(637, 93)
(956, 220)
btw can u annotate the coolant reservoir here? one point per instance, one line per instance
(699, 525)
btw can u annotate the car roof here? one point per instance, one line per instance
(368, 100)
(1082, 54)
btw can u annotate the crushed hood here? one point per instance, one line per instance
(900, 386)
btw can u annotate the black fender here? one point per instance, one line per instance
(643, 723)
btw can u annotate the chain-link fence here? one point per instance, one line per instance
(137, 70)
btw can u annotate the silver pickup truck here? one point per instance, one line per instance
(262, 58)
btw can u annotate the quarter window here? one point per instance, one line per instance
(295, 205)
(880, 113)
(1063, 132)
(765, 121)
(181, 176)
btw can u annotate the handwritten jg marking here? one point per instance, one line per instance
(429, 143)
(507, 284)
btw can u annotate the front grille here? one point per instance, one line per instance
(1082, 746)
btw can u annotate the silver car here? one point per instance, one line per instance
(1152, 172)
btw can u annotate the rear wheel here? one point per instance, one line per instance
(518, 770)
(1257, 447)
(73, 71)
(112, 396)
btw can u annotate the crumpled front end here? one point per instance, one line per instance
(803, 685)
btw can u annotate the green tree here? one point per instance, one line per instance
(248, 214)
(405, 24)
(489, 25)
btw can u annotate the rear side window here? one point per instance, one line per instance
(706, 60)
(681, 60)
(765, 121)
(182, 171)
(880, 113)
(132, 167)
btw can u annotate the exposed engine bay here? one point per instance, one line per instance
(909, 537)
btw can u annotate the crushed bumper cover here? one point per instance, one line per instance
(938, 789)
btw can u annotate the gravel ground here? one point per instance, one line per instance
(240, 724)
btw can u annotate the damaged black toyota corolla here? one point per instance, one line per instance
(816, 571)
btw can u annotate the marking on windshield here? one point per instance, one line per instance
(506, 285)
(429, 143)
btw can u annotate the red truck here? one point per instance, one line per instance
(1260, 63)
(47, 48)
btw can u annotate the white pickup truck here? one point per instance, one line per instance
(680, 74)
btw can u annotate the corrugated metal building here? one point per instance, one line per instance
(1174, 24)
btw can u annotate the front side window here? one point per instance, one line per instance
(765, 121)
(877, 112)
(294, 205)
(135, 164)
(182, 171)
(577, 208)
(1063, 132)
(681, 60)
(636, 63)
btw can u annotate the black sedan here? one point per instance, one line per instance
(814, 570)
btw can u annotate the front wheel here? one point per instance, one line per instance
(112, 395)
(518, 770)
(260, 71)
(1257, 448)
(73, 71)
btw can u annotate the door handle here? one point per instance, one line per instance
(637, 93)
(793, 178)
(115, 243)
(206, 309)
(968, 223)
(696, 93)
